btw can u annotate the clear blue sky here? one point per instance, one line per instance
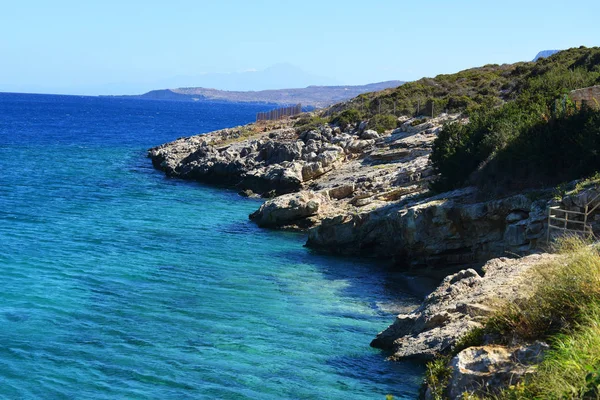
(82, 46)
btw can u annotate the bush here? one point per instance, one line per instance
(437, 377)
(347, 117)
(418, 122)
(383, 122)
(520, 145)
(538, 138)
(308, 123)
(546, 153)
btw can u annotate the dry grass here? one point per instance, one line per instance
(565, 311)
(564, 289)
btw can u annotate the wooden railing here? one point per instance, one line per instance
(571, 221)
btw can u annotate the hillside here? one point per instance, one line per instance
(524, 131)
(316, 96)
(491, 84)
(488, 86)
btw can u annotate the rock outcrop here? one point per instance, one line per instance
(262, 163)
(362, 192)
(487, 369)
(357, 168)
(368, 191)
(459, 304)
(292, 210)
(448, 229)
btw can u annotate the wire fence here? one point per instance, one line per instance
(279, 113)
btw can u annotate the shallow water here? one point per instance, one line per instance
(120, 283)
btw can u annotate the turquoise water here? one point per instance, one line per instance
(118, 283)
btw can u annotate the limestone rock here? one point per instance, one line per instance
(340, 192)
(488, 369)
(369, 134)
(456, 306)
(445, 230)
(289, 209)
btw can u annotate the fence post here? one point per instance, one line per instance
(548, 229)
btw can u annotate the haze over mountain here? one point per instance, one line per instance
(315, 96)
(277, 76)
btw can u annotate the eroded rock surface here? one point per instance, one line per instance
(488, 369)
(459, 304)
(292, 209)
(357, 168)
(369, 191)
(451, 228)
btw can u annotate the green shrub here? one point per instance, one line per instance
(347, 117)
(307, 123)
(418, 122)
(538, 139)
(546, 153)
(572, 368)
(383, 122)
(437, 377)
(564, 310)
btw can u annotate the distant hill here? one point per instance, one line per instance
(316, 96)
(545, 54)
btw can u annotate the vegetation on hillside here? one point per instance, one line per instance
(565, 310)
(523, 131)
(539, 138)
(489, 85)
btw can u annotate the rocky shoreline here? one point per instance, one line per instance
(361, 192)
(458, 305)
(357, 191)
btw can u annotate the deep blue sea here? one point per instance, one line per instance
(119, 283)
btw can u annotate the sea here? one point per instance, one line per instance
(117, 282)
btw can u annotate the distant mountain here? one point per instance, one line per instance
(316, 96)
(545, 54)
(274, 77)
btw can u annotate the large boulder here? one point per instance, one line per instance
(290, 209)
(369, 134)
(275, 152)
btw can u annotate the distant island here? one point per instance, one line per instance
(315, 96)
